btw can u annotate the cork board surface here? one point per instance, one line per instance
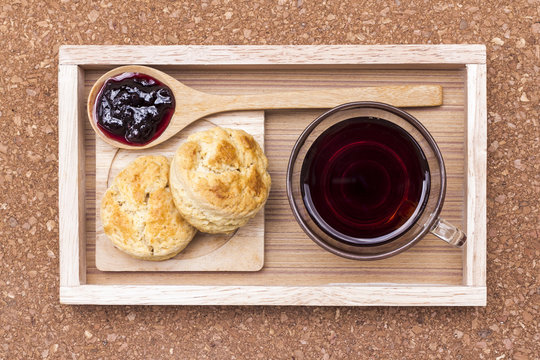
(33, 323)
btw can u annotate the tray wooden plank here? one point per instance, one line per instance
(474, 262)
(71, 176)
(333, 55)
(333, 295)
(296, 271)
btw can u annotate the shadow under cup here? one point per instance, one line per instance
(371, 242)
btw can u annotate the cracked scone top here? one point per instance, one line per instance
(138, 212)
(219, 179)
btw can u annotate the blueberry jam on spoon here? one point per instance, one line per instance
(134, 108)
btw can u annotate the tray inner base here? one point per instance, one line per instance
(291, 258)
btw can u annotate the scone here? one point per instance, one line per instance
(219, 179)
(138, 212)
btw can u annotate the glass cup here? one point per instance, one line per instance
(426, 219)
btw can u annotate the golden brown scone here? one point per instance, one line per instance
(219, 179)
(138, 212)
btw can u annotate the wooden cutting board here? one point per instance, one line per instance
(241, 251)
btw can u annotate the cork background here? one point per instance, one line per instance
(33, 325)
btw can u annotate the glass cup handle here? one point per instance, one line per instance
(449, 233)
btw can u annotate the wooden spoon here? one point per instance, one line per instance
(192, 105)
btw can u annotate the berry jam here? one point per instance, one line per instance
(134, 108)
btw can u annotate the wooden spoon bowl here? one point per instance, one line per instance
(192, 104)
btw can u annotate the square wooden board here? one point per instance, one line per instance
(241, 251)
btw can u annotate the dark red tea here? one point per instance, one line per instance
(365, 180)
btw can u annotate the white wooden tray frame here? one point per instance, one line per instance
(73, 287)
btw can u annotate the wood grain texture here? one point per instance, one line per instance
(235, 55)
(243, 251)
(334, 295)
(70, 176)
(475, 249)
(291, 258)
(397, 95)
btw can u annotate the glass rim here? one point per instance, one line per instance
(380, 106)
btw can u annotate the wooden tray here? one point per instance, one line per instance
(296, 271)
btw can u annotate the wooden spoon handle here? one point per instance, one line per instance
(398, 95)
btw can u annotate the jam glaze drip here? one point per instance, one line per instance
(133, 108)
